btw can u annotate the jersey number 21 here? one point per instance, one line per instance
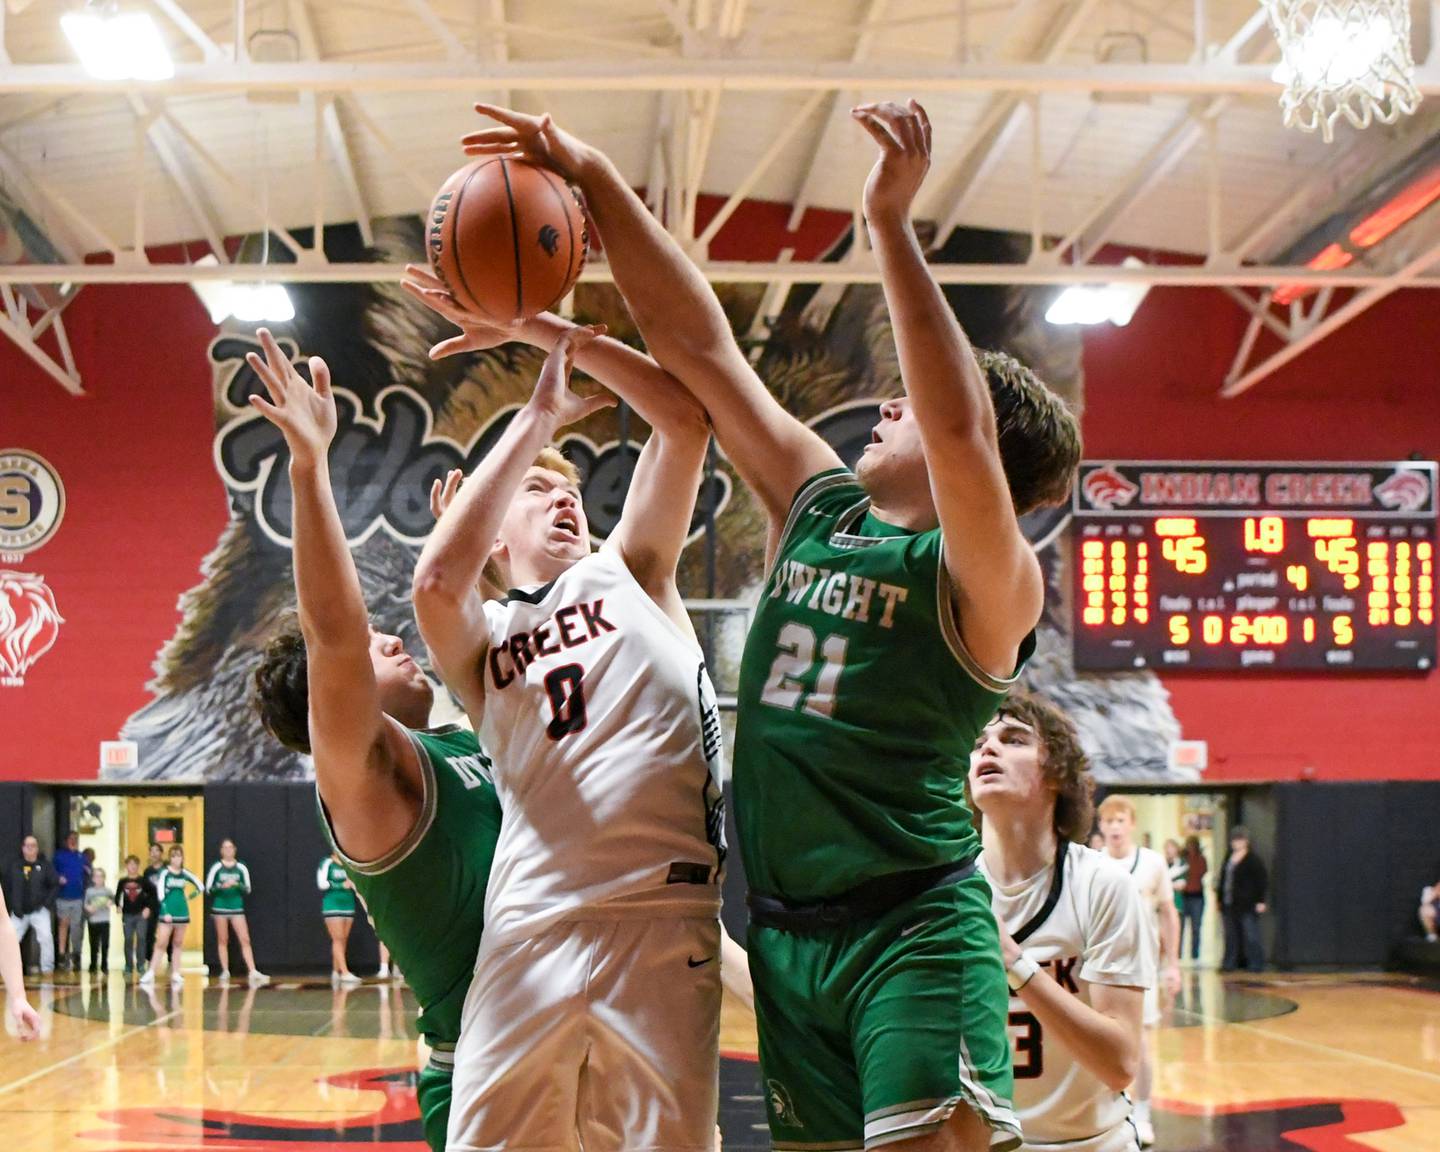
(786, 685)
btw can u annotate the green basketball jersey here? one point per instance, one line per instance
(228, 885)
(427, 896)
(858, 704)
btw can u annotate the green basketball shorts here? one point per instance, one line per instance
(432, 1093)
(875, 1033)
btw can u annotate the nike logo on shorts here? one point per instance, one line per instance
(913, 928)
(693, 963)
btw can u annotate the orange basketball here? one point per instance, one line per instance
(508, 238)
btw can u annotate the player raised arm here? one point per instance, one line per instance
(684, 327)
(652, 531)
(359, 755)
(448, 604)
(999, 586)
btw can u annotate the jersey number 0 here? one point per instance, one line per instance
(566, 688)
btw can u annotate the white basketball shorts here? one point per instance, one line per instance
(603, 1033)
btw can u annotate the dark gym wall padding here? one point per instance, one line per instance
(278, 835)
(1346, 862)
(1412, 826)
(17, 802)
(1347, 865)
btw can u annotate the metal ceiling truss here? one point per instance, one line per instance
(860, 270)
(690, 81)
(25, 328)
(1211, 78)
(1308, 326)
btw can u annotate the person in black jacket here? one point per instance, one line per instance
(1242, 884)
(31, 884)
(153, 869)
(136, 900)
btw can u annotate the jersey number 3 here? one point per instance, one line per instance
(785, 687)
(1029, 1046)
(566, 688)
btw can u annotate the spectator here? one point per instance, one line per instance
(136, 898)
(1242, 886)
(1175, 868)
(12, 975)
(70, 907)
(1192, 906)
(1430, 910)
(30, 887)
(152, 871)
(97, 922)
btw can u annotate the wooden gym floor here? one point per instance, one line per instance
(1274, 1064)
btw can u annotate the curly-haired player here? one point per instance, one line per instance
(1070, 929)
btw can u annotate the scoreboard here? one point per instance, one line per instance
(1254, 566)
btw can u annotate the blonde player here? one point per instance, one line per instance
(595, 1001)
(1070, 930)
(1147, 870)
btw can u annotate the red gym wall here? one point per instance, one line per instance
(146, 505)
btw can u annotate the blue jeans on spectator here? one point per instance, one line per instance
(1192, 912)
(1243, 946)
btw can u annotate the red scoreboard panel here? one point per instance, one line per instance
(1263, 566)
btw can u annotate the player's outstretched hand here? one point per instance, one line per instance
(477, 333)
(553, 400)
(441, 495)
(533, 138)
(903, 133)
(304, 412)
(27, 1020)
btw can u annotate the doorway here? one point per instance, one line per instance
(1162, 816)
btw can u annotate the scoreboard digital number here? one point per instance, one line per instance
(1254, 566)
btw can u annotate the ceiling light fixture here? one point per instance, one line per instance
(1099, 303)
(248, 303)
(116, 45)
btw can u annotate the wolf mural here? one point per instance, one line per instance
(405, 420)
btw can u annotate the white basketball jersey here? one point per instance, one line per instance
(1093, 935)
(603, 725)
(1151, 877)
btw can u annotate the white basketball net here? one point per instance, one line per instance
(1347, 58)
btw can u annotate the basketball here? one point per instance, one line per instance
(508, 238)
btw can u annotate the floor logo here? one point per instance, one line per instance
(395, 1124)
